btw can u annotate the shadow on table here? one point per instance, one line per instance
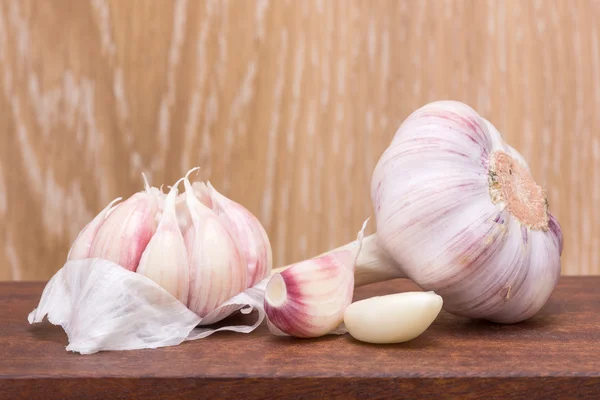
(45, 331)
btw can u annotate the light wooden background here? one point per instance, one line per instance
(286, 106)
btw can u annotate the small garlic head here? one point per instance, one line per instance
(458, 209)
(204, 249)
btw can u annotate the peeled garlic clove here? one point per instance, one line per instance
(125, 233)
(83, 243)
(165, 258)
(246, 230)
(217, 268)
(394, 318)
(309, 298)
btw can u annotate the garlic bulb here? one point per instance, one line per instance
(200, 249)
(458, 212)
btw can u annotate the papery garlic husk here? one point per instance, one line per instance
(165, 259)
(248, 232)
(459, 213)
(123, 236)
(83, 243)
(308, 299)
(218, 270)
(102, 306)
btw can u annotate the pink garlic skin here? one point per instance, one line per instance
(318, 291)
(435, 218)
(165, 260)
(217, 267)
(81, 246)
(248, 232)
(184, 219)
(123, 236)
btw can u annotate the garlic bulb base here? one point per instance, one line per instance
(510, 183)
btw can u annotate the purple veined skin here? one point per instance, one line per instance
(83, 243)
(123, 236)
(248, 232)
(218, 271)
(308, 299)
(459, 213)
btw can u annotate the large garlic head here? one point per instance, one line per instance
(458, 209)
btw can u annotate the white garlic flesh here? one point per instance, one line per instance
(459, 213)
(394, 318)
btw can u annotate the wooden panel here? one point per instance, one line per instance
(553, 355)
(286, 106)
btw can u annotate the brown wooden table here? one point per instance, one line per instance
(556, 354)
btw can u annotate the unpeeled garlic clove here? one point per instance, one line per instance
(165, 258)
(394, 318)
(217, 268)
(246, 230)
(83, 243)
(309, 298)
(126, 231)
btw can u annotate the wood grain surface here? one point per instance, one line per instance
(286, 106)
(553, 355)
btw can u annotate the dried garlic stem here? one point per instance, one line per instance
(373, 264)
